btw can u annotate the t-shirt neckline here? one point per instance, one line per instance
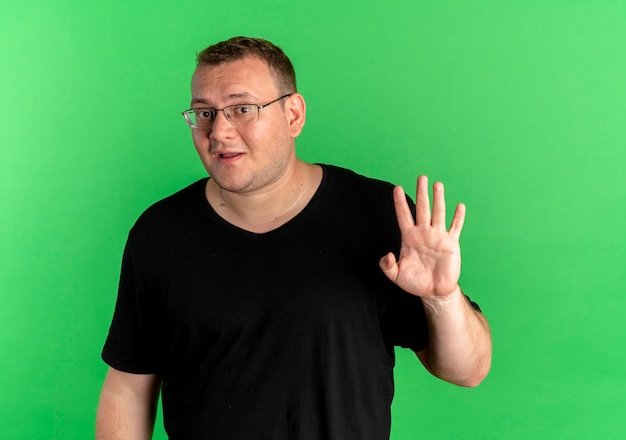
(310, 206)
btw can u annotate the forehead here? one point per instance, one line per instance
(245, 77)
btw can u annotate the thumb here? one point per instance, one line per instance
(389, 266)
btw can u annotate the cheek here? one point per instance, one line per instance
(253, 139)
(268, 137)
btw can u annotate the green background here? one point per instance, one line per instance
(517, 106)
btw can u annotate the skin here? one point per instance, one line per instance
(258, 184)
(127, 407)
(429, 266)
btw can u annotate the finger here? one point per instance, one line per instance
(389, 266)
(422, 203)
(403, 212)
(457, 222)
(439, 206)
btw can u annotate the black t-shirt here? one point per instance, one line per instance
(288, 334)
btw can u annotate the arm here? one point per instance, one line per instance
(127, 407)
(429, 266)
(459, 343)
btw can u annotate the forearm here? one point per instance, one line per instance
(127, 410)
(459, 345)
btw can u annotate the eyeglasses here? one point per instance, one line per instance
(237, 115)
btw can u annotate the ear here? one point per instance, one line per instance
(295, 110)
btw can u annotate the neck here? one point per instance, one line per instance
(266, 209)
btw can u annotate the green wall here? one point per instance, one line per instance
(519, 107)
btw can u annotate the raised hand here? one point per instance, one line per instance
(429, 264)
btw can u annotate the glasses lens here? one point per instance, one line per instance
(242, 114)
(202, 118)
(237, 115)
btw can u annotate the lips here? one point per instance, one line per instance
(228, 155)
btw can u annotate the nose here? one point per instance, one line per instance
(221, 127)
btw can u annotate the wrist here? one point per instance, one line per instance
(437, 302)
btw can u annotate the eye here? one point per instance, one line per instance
(242, 110)
(205, 114)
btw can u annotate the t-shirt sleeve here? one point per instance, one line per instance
(408, 321)
(130, 344)
(410, 327)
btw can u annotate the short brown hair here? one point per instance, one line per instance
(237, 48)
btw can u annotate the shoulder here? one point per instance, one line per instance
(350, 189)
(343, 179)
(364, 203)
(169, 212)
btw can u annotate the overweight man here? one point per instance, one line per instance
(265, 300)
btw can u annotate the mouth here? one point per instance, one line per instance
(227, 157)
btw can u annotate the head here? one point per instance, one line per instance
(237, 48)
(247, 71)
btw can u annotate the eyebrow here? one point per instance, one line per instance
(242, 95)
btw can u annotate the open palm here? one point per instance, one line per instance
(429, 264)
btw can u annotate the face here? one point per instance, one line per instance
(252, 157)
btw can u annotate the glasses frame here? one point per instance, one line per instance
(188, 112)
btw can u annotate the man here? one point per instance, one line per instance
(265, 301)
